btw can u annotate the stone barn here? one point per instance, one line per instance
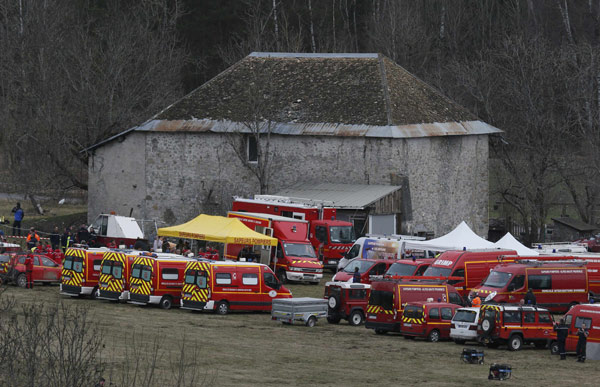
(277, 120)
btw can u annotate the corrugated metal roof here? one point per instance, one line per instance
(344, 196)
(436, 129)
(311, 55)
(326, 129)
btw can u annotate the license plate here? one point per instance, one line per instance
(373, 317)
(104, 284)
(187, 295)
(333, 261)
(309, 275)
(408, 325)
(66, 278)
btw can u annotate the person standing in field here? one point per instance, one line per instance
(55, 238)
(582, 333)
(562, 331)
(29, 270)
(19, 214)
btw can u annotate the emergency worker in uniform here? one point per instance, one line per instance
(530, 298)
(32, 238)
(476, 301)
(29, 270)
(582, 333)
(356, 276)
(562, 331)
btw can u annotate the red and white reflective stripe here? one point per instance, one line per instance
(23, 237)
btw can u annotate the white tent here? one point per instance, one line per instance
(461, 238)
(509, 242)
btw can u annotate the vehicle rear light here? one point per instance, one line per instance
(473, 328)
(452, 326)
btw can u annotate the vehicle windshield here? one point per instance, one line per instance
(342, 234)
(143, 272)
(465, 316)
(299, 250)
(497, 279)
(437, 272)
(361, 264)
(401, 269)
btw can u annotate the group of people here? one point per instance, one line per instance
(562, 332)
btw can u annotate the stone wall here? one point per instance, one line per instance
(175, 176)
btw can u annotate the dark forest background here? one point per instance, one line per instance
(75, 72)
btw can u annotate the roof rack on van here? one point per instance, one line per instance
(396, 237)
(535, 262)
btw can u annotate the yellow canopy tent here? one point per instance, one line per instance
(218, 229)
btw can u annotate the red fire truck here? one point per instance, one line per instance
(157, 279)
(81, 271)
(330, 238)
(294, 258)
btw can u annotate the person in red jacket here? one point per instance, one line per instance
(29, 270)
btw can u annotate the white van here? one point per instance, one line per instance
(378, 246)
(464, 325)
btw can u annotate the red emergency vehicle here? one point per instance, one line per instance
(578, 314)
(115, 272)
(45, 270)
(408, 267)
(369, 269)
(460, 263)
(330, 238)
(225, 286)
(294, 258)
(347, 300)
(430, 320)
(388, 298)
(157, 279)
(555, 285)
(81, 271)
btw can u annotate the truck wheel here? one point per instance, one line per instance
(515, 342)
(434, 336)
(22, 280)
(165, 303)
(93, 294)
(554, 348)
(222, 308)
(311, 322)
(356, 318)
(333, 320)
(281, 275)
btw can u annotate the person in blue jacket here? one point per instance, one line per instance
(356, 276)
(19, 214)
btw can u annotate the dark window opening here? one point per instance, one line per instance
(252, 149)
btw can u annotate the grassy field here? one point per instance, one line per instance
(251, 349)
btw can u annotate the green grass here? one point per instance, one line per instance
(251, 349)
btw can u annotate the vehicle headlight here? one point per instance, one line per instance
(319, 270)
(295, 269)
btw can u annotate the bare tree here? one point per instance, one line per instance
(72, 75)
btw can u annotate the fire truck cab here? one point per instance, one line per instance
(225, 286)
(294, 258)
(81, 271)
(329, 237)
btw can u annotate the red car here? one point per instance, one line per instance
(348, 301)
(369, 269)
(430, 320)
(45, 270)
